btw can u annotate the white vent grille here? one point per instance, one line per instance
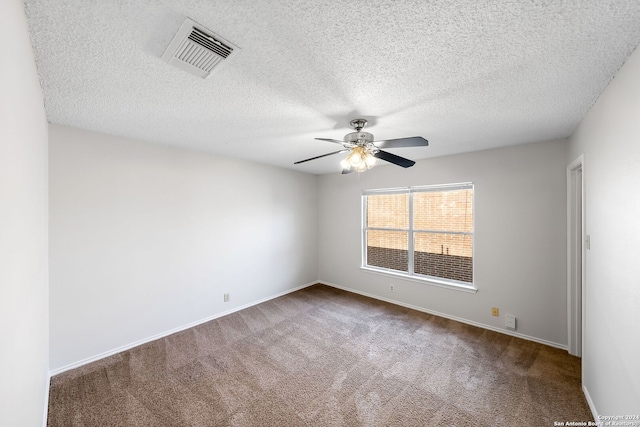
(197, 50)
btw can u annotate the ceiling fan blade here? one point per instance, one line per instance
(330, 140)
(335, 141)
(396, 160)
(323, 155)
(414, 141)
(347, 170)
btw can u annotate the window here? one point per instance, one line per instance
(422, 232)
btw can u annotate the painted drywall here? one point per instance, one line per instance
(24, 315)
(609, 138)
(519, 246)
(146, 239)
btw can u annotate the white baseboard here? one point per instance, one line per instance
(94, 358)
(91, 359)
(447, 316)
(592, 406)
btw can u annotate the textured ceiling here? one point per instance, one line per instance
(466, 75)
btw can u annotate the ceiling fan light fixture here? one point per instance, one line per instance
(371, 161)
(359, 159)
(356, 158)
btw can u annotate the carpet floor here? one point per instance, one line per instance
(324, 357)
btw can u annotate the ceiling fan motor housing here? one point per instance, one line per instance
(358, 138)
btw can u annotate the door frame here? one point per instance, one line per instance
(576, 256)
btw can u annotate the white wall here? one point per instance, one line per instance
(609, 138)
(24, 380)
(520, 236)
(146, 239)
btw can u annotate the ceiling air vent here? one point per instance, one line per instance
(197, 50)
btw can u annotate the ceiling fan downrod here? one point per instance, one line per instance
(358, 124)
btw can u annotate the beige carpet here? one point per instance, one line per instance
(325, 357)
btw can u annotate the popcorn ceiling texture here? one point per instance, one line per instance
(466, 75)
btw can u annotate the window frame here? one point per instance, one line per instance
(410, 274)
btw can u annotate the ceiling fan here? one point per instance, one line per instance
(365, 152)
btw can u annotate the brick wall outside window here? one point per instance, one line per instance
(439, 218)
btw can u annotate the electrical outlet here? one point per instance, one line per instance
(392, 288)
(495, 311)
(226, 297)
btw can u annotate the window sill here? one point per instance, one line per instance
(432, 282)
